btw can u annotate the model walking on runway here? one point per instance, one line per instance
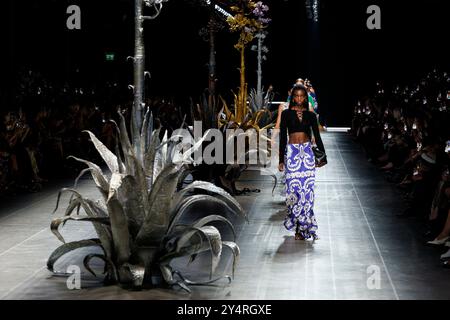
(297, 159)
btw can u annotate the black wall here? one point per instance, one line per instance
(341, 56)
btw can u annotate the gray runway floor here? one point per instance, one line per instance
(364, 251)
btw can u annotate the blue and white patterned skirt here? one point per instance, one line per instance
(300, 171)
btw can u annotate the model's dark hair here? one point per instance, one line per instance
(299, 88)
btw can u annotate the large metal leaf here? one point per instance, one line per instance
(57, 222)
(186, 158)
(92, 209)
(167, 273)
(149, 130)
(149, 158)
(174, 153)
(213, 237)
(68, 247)
(97, 208)
(73, 203)
(144, 136)
(182, 239)
(109, 157)
(167, 177)
(131, 197)
(159, 199)
(119, 229)
(184, 205)
(120, 163)
(64, 190)
(109, 265)
(210, 187)
(141, 184)
(163, 150)
(157, 165)
(236, 253)
(185, 246)
(214, 218)
(187, 231)
(97, 175)
(173, 138)
(182, 236)
(125, 140)
(180, 232)
(183, 177)
(80, 175)
(119, 223)
(173, 143)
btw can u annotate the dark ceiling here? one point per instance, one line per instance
(341, 56)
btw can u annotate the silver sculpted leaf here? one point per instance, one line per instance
(109, 157)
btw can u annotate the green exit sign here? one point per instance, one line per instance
(110, 56)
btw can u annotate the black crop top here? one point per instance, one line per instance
(290, 123)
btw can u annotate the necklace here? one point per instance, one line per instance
(299, 114)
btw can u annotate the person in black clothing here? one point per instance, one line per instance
(298, 162)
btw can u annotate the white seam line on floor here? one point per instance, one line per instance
(333, 274)
(371, 233)
(22, 242)
(22, 282)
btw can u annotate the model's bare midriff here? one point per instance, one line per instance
(298, 137)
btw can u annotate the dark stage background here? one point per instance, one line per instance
(339, 54)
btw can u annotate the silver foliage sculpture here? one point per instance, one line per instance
(138, 218)
(257, 99)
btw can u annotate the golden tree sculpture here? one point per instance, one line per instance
(247, 24)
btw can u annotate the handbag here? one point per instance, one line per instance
(320, 156)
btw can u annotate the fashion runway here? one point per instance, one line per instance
(364, 251)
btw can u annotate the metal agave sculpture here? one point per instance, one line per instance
(257, 99)
(137, 219)
(251, 128)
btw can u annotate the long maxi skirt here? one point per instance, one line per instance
(300, 174)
